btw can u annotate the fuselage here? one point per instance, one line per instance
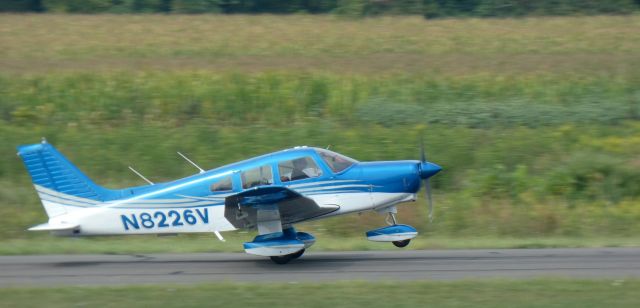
(196, 203)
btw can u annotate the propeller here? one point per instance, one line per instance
(427, 170)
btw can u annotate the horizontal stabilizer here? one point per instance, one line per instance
(54, 227)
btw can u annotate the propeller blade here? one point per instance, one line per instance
(423, 155)
(427, 190)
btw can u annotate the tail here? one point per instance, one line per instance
(61, 186)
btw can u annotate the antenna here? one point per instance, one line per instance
(219, 236)
(140, 175)
(328, 147)
(191, 162)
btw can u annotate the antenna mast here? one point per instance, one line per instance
(140, 175)
(191, 162)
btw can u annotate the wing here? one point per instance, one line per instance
(242, 209)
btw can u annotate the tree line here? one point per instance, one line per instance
(355, 8)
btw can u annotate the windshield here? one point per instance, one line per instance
(337, 162)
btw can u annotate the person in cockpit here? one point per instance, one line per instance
(301, 170)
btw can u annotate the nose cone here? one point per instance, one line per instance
(428, 169)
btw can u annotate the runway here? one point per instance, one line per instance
(55, 270)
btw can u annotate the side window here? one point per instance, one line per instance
(222, 185)
(257, 176)
(298, 169)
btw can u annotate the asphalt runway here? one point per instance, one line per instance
(55, 270)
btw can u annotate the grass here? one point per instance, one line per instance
(208, 243)
(44, 43)
(491, 293)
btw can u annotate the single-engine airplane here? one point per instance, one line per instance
(270, 193)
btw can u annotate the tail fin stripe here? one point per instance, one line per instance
(46, 191)
(64, 201)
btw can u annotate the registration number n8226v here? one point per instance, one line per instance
(165, 219)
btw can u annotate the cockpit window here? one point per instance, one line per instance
(337, 162)
(298, 169)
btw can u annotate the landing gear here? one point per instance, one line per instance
(401, 244)
(398, 234)
(280, 247)
(392, 221)
(286, 258)
(281, 259)
(297, 254)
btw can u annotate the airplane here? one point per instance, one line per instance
(270, 193)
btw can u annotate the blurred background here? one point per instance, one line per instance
(531, 107)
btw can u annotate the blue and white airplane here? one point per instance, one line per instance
(270, 193)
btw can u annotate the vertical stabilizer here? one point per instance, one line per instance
(62, 187)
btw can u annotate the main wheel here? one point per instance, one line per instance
(281, 259)
(297, 254)
(401, 244)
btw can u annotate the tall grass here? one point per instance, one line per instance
(43, 43)
(277, 99)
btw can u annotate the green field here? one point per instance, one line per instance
(237, 43)
(326, 242)
(535, 120)
(528, 293)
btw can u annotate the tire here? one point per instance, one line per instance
(297, 254)
(281, 259)
(401, 244)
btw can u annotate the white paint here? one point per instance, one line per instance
(393, 237)
(97, 218)
(275, 250)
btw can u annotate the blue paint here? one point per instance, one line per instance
(176, 218)
(133, 222)
(50, 169)
(162, 219)
(288, 236)
(188, 217)
(146, 221)
(159, 219)
(395, 229)
(204, 215)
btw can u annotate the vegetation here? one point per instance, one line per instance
(428, 8)
(206, 243)
(535, 120)
(491, 293)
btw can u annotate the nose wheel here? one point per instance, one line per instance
(392, 220)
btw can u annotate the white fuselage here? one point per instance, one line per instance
(171, 216)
